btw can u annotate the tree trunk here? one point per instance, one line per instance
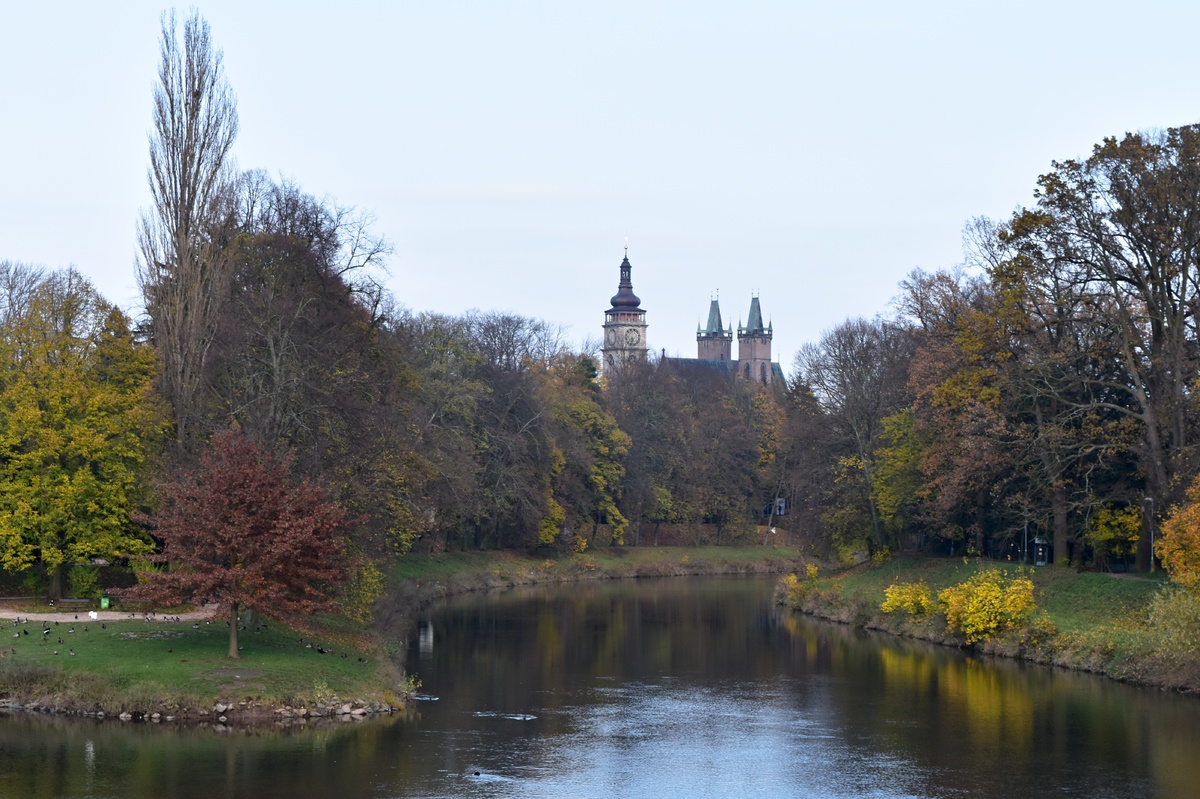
(1058, 502)
(233, 631)
(1157, 490)
(980, 521)
(54, 589)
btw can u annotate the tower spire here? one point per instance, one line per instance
(625, 298)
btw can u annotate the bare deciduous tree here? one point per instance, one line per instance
(18, 283)
(858, 373)
(185, 264)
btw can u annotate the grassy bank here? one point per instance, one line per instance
(180, 669)
(422, 578)
(1086, 621)
(493, 569)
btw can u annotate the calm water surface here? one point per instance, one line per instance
(659, 689)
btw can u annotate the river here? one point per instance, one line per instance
(657, 688)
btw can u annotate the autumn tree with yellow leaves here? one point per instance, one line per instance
(79, 424)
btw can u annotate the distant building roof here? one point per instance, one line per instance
(754, 325)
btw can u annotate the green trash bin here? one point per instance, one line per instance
(104, 603)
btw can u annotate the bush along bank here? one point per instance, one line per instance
(1134, 629)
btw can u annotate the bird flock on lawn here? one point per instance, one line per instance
(47, 631)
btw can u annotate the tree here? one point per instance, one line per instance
(79, 422)
(239, 532)
(184, 270)
(443, 416)
(18, 283)
(858, 373)
(714, 479)
(594, 447)
(1126, 223)
(302, 359)
(643, 404)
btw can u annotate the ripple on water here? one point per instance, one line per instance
(491, 714)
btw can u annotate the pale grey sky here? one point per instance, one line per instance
(812, 152)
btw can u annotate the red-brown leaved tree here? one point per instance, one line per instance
(238, 532)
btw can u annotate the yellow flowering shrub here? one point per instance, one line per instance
(1179, 545)
(987, 602)
(912, 597)
(793, 590)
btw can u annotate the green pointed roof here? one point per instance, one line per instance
(715, 327)
(755, 323)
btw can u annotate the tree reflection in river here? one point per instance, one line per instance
(55, 756)
(943, 722)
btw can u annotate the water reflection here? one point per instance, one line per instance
(703, 685)
(653, 689)
(45, 756)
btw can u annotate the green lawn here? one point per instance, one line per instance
(135, 664)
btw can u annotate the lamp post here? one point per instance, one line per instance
(1150, 523)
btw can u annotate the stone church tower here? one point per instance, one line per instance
(754, 347)
(714, 342)
(624, 325)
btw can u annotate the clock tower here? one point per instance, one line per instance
(624, 325)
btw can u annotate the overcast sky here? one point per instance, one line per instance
(815, 153)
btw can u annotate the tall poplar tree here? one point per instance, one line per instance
(185, 264)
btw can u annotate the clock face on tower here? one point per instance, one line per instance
(612, 337)
(632, 337)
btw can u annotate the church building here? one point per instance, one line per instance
(625, 338)
(714, 346)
